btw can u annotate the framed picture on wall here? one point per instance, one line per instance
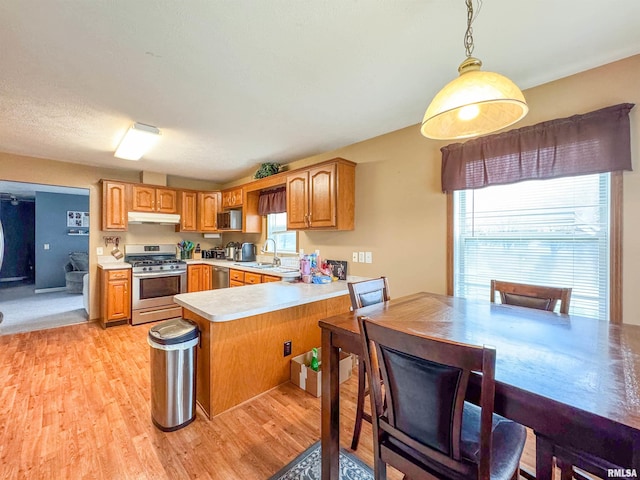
(339, 268)
(77, 219)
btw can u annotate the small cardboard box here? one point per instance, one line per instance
(310, 380)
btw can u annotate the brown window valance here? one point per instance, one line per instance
(272, 201)
(594, 142)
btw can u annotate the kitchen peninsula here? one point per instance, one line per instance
(243, 331)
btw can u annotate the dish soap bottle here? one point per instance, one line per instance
(315, 366)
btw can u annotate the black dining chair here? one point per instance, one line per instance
(363, 294)
(422, 424)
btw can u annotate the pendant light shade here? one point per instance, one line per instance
(475, 103)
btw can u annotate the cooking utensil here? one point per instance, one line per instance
(117, 254)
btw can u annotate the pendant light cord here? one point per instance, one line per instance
(468, 36)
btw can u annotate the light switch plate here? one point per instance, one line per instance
(368, 257)
(99, 251)
(361, 257)
(46, 246)
(355, 257)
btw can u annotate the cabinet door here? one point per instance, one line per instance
(297, 200)
(143, 198)
(227, 201)
(193, 278)
(118, 296)
(205, 277)
(188, 219)
(235, 283)
(114, 206)
(208, 211)
(232, 198)
(322, 196)
(166, 201)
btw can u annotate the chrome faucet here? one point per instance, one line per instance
(276, 259)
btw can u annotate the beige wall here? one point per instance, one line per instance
(400, 210)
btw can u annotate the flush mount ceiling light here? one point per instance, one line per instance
(475, 103)
(137, 141)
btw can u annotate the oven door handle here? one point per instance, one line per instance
(168, 273)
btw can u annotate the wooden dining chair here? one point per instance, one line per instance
(544, 298)
(422, 425)
(531, 296)
(363, 294)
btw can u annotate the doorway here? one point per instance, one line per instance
(40, 227)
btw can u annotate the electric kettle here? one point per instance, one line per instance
(246, 253)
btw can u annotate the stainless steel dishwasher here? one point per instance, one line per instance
(220, 277)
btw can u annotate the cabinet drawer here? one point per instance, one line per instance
(252, 278)
(270, 278)
(117, 274)
(236, 275)
(235, 283)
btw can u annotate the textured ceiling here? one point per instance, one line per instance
(232, 84)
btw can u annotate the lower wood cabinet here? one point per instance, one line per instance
(115, 296)
(238, 278)
(198, 278)
(270, 278)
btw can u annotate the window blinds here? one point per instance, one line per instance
(544, 232)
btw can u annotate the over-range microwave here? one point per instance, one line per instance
(230, 220)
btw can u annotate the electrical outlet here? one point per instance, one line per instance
(287, 348)
(354, 258)
(361, 257)
(46, 246)
(99, 251)
(367, 257)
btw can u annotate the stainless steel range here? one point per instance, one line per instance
(157, 276)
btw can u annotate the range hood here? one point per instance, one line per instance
(157, 218)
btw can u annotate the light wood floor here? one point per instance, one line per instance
(74, 403)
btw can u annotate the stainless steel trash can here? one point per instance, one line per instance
(173, 373)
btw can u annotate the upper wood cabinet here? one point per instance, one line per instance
(232, 198)
(322, 197)
(188, 212)
(114, 206)
(152, 199)
(208, 208)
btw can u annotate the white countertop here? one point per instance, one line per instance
(240, 266)
(227, 304)
(114, 265)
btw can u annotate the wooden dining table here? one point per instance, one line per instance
(574, 380)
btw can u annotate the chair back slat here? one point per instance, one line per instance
(368, 292)
(531, 296)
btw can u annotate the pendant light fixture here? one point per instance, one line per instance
(475, 103)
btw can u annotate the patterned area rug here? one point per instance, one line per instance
(306, 466)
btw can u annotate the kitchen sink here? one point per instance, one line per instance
(267, 266)
(256, 264)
